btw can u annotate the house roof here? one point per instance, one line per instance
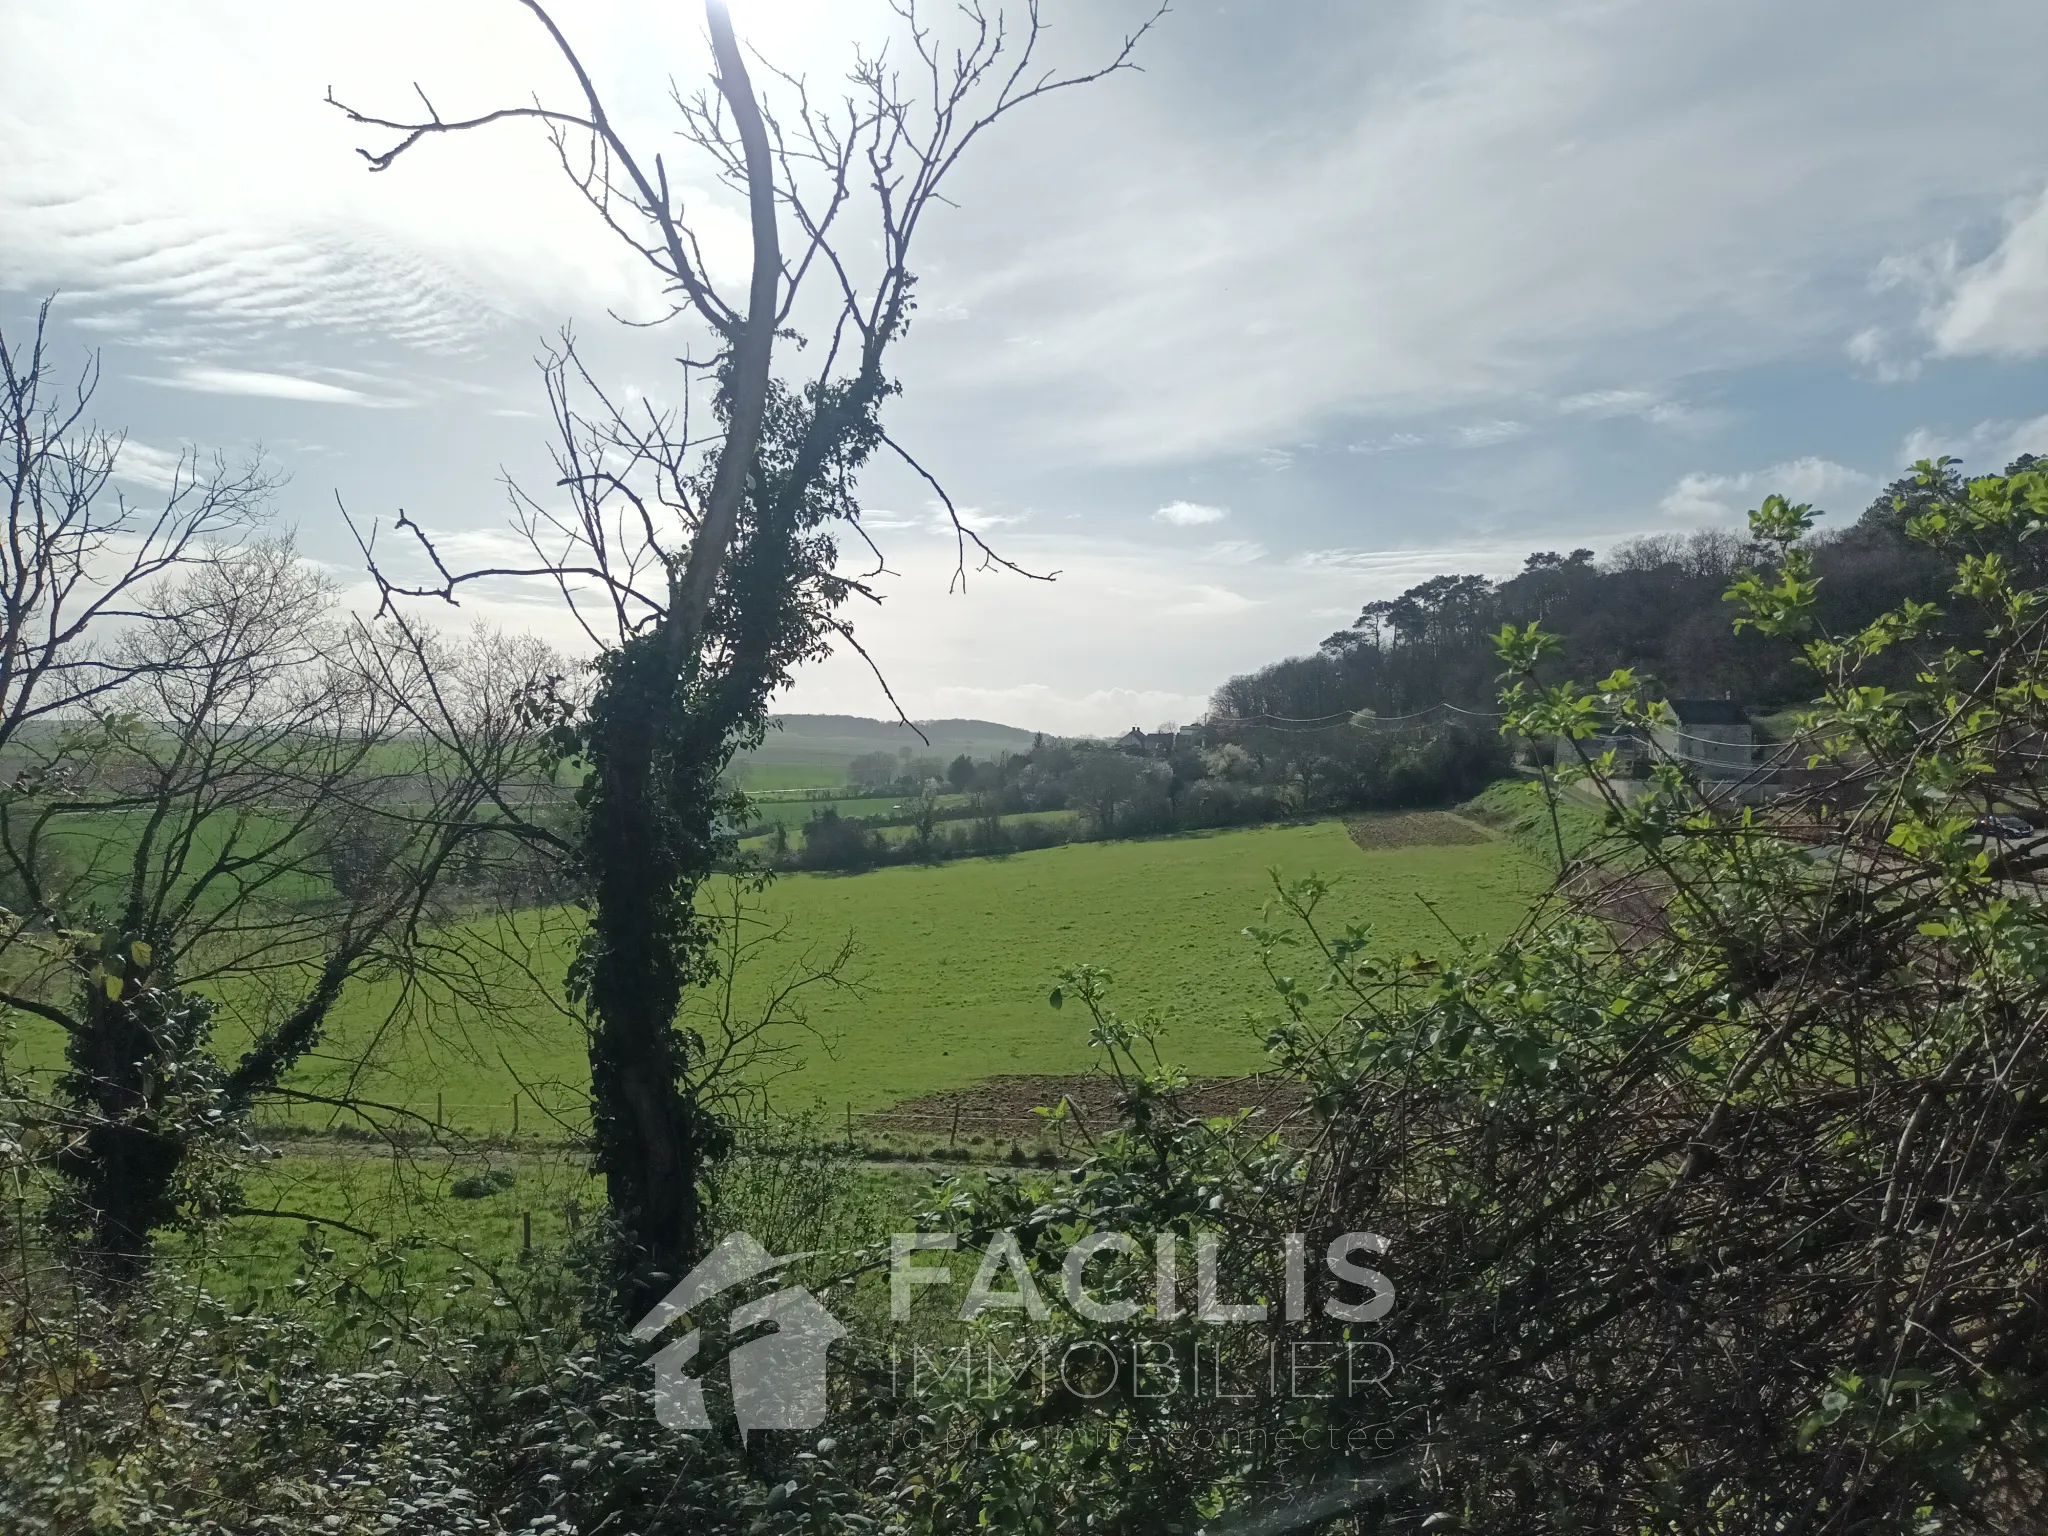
(1709, 711)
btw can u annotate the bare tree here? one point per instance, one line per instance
(76, 556)
(699, 550)
(237, 828)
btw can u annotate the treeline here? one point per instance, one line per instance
(1656, 604)
(1192, 781)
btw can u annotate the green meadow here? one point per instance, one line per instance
(952, 967)
(947, 984)
(813, 751)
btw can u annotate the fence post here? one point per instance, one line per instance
(526, 1231)
(515, 1114)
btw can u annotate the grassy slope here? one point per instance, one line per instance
(794, 813)
(956, 961)
(1519, 808)
(805, 751)
(960, 957)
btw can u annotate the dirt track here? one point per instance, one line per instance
(1004, 1107)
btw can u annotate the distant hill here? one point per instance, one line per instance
(825, 744)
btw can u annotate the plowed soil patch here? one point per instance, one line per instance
(1416, 829)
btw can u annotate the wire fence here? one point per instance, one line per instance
(521, 1115)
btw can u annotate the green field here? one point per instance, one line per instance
(955, 963)
(950, 981)
(794, 813)
(812, 751)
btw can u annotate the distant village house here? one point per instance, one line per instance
(1713, 737)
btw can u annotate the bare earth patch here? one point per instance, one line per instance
(1003, 1107)
(1415, 829)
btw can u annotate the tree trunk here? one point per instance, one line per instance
(128, 1063)
(650, 831)
(633, 969)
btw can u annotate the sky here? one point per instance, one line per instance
(1324, 299)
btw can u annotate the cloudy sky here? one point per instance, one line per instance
(1329, 298)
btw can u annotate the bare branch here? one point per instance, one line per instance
(962, 534)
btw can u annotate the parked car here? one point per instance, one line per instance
(2004, 829)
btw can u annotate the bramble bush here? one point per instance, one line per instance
(1715, 1194)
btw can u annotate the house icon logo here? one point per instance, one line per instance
(778, 1379)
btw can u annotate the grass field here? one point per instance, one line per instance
(954, 964)
(323, 1211)
(956, 961)
(794, 813)
(827, 772)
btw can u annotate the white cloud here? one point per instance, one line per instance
(1643, 404)
(2000, 305)
(1189, 514)
(1485, 434)
(2028, 437)
(152, 468)
(1498, 196)
(1926, 443)
(1203, 599)
(272, 386)
(112, 322)
(1604, 403)
(1984, 449)
(1235, 551)
(1390, 444)
(1708, 498)
(1881, 355)
(977, 519)
(1395, 224)
(1135, 630)
(131, 198)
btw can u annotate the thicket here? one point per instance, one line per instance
(1714, 1197)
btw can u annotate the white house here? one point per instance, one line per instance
(1713, 737)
